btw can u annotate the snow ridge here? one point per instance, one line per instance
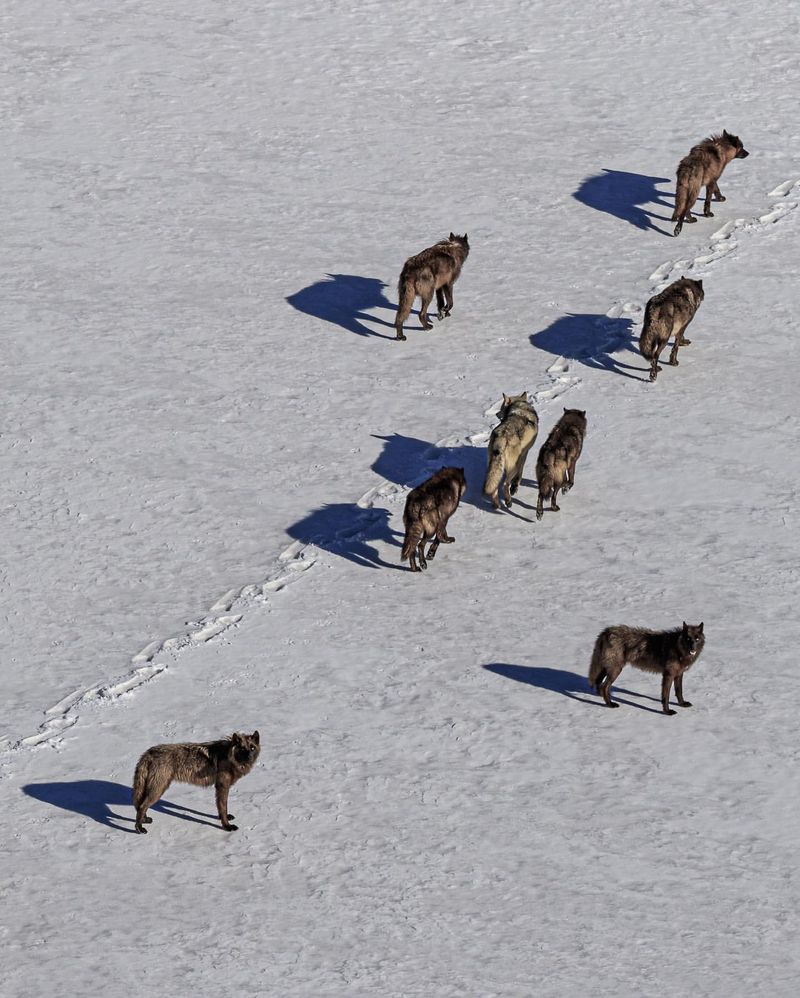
(298, 557)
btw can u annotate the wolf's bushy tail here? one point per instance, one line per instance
(140, 780)
(597, 667)
(687, 190)
(647, 341)
(413, 536)
(494, 470)
(406, 293)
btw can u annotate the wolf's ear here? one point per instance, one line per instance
(700, 627)
(236, 738)
(685, 626)
(506, 398)
(701, 285)
(452, 237)
(524, 396)
(256, 737)
(583, 413)
(466, 238)
(725, 133)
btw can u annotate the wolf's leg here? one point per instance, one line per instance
(666, 686)
(152, 794)
(681, 338)
(555, 508)
(423, 312)
(540, 506)
(222, 789)
(717, 192)
(448, 293)
(421, 554)
(440, 313)
(608, 677)
(433, 548)
(508, 489)
(679, 692)
(443, 536)
(673, 356)
(707, 212)
(570, 477)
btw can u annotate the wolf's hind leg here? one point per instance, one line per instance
(718, 196)
(423, 311)
(681, 338)
(440, 312)
(707, 212)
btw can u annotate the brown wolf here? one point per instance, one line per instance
(508, 447)
(555, 466)
(220, 763)
(428, 508)
(435, 269)
(704, 165)
(668, 314)
(669, 652)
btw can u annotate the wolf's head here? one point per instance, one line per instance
(462, 241)
(736, 143)
(245, 748)
(692, 638)
(509, 401)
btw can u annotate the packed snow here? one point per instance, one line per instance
(208, 438)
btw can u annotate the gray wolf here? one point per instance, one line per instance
(703, 166)
(428, 508)
(508, 447)
(668, 314)
(435, 269)
(220, 763)
(669, 652)
(555, 466)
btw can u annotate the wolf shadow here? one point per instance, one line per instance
(409, 461)
(95, 799)
(347, 530)
(591, 340)
(345, 300)
(568, 684)
(623, 195)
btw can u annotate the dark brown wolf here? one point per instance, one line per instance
(668, 314)
(704, 166)
(669, 652)
(435, 269)
(428, 508)
(220, 763)
(555, 466)
(508, 447)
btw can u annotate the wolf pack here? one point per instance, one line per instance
(429, 506)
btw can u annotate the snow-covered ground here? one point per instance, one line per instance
(208, 438)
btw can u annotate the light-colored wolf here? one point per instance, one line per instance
(668, 314)
(703, 166)
(220, 763)
(428, 508)
(555, 466)
(435, 269)
(669, 653)
(508, 447)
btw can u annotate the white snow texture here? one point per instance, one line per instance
(209, 434)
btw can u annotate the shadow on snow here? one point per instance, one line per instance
(625, 196)
(95, 799)
(591, 340)
(345, 300)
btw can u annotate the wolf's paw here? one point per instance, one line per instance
(448, 540)
(427, 325)
(720, 197)
(554, 508)
(147, 821)
(440, 315)
(230, 817)
(613, 703)
(401, 336)
(539, 514)
(690, 220)
(686, 703)
(231, 828)
(669, 711)
(140, 830)
(684, 342)
(565, 488)
(708, 214)
(673, 362)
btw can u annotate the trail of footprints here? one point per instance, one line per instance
(296, 559)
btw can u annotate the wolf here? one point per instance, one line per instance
(508, 447)
(435, 269)
(555, 466)
(704, 165)
(220, 763)
(428, 508)
(668, 314)
(669, 652)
